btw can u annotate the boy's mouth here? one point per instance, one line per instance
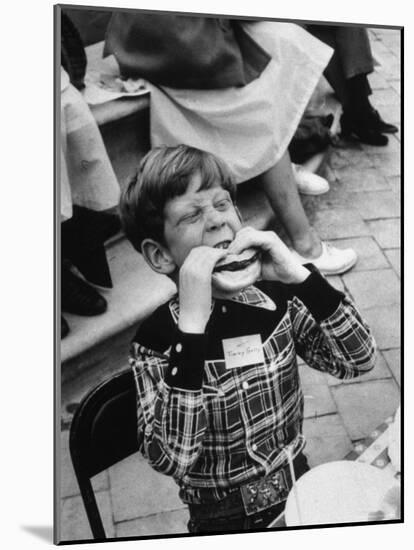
(236, 262)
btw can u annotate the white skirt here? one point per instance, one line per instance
(248, 127)
(86, 174)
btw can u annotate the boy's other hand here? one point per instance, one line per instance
(278, 263)
(195, 291)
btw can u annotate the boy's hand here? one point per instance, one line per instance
(278, 263)
(195, 288)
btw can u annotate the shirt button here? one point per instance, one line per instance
(178, 347)
(174, 371)
(254, 447)
(245, 385)
(223, 309)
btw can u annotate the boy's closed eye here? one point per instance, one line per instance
(223, 204)
(190, 217)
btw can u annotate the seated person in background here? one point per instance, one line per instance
(88, 188)
(347, 73)
(236, 89)
(216, 372)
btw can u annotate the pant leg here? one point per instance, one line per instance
(354, 50)
(334, 71)
(236, 523)
(352, 58)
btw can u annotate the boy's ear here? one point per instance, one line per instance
(158, 257)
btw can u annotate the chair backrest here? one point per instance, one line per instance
(104, 431)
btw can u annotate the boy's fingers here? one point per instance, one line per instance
(206, 257)
(210, 253)
(244, 239)
(252, 238)
(211, 256)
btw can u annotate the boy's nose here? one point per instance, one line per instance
(215, 220)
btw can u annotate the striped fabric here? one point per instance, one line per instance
(234, 428)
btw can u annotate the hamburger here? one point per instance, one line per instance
(237, 271)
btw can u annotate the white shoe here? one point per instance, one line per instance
(309, 183)
(332, 261)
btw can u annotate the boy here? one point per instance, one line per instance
(218, 387)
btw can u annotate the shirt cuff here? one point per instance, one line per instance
(187, 357)
(321, 299)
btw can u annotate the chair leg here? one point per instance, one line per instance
(91, 507)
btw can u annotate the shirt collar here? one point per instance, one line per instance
(251, 296)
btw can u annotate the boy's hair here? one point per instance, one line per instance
(164, 173)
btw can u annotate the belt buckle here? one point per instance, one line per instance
(264, 493)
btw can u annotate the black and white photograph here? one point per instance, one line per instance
(228, 213)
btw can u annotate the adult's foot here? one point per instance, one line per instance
(309, 245)
(332, 260)
(78, 297)
(309, 183)
(362, 128)
(380, 124)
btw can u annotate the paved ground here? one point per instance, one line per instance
(361, 210)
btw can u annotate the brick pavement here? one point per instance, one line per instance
(361, 210)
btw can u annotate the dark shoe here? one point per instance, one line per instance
(381, 125)
(64, 327)
(360, 128)
(78, 297)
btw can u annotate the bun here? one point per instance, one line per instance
(235, 272)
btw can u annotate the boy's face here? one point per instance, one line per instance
(199, 218)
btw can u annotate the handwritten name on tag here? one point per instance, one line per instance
(243, 351)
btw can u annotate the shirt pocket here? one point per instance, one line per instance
(279, 348)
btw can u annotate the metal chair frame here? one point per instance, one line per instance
(103, 432)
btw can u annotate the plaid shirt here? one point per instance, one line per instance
(214, 428)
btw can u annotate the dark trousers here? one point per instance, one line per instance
(234, 518)
(351, 61)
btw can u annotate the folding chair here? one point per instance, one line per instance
(103, 432)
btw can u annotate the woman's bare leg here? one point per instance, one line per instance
(281, 190)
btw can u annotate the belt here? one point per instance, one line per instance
(250, 498)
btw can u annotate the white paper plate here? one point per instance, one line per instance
(338, 492)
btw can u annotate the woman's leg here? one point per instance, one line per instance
(281, 190)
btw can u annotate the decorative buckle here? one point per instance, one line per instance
(264, 493)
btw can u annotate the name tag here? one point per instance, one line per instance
(243, 351)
